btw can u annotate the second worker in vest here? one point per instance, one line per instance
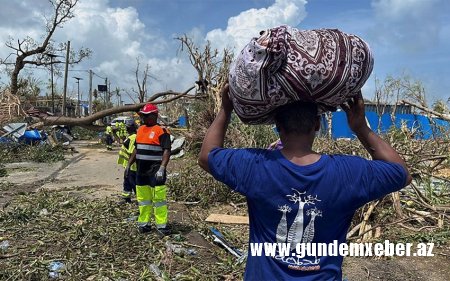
(129, 180)
(109, 137)
(152, 155)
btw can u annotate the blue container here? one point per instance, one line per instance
(182, 121)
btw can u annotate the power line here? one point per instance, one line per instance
(98, 75)
(44, 68)
(69, 70)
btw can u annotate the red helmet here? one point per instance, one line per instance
(149, 108)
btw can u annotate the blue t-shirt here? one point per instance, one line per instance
(301, 204)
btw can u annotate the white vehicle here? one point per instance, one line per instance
(123, 119)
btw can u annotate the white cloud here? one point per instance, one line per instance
(171, 74)
(398, 9)
(117, 36)
(248, 24)
(411, 25)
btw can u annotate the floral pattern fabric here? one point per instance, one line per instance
(285, 64)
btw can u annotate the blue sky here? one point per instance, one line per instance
(406, 36)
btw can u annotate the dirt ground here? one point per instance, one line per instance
(93, 172)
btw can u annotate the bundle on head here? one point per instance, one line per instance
(285, 64)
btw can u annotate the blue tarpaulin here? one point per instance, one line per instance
(31, 137)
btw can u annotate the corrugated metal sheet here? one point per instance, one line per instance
(422, 126)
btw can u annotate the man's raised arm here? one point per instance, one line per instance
(216, 133)
(376, 146)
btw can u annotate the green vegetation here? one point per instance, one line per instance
(14, 152)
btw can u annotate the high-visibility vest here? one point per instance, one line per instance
(121, 130)
(125, 152)
(148, 147)
(109, 130)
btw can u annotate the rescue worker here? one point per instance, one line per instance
(121, 132)
(137, 119)
(152, 155)
(109, 137)
(129, 180)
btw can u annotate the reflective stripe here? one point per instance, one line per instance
(123, 157)
(160, 204)
(143, 224)
(145, 203)
(149, 147)
(149, 157)
(126, 194)
(161, 225)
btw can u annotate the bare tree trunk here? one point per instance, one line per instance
(14, 79)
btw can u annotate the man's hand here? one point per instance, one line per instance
(356, 116)
(227, 105)
(160, 174)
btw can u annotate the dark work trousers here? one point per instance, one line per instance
(109, 140)
(129, 183)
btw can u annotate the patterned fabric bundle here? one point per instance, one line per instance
(285, 64)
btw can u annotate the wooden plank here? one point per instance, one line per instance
(227, 219)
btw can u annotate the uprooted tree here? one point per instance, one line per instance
(29, 51)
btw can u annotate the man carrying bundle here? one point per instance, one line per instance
(295, 195)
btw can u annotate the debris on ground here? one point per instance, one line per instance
(220, 218)
(220, 239)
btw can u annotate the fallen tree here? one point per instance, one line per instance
(87, 121)
(445, 117)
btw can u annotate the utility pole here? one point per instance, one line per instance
(66, 72)
(119, 97)
(78, 102)
(51, 74)
(106, 94)
(90, 92)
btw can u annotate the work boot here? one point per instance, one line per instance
(124, 201)
(145, 229)
(163, 231)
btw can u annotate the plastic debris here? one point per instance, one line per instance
(56, 268)
(156, 271)
(180, 250)
(4, 245)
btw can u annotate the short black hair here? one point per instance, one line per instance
(297, 118)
